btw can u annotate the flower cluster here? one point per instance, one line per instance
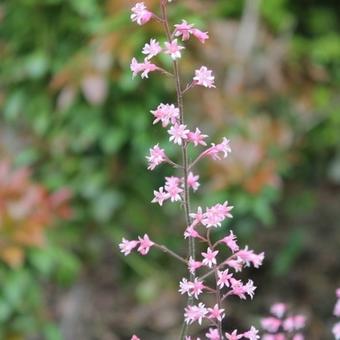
(336, 312)
(282, 326)
(210, 270)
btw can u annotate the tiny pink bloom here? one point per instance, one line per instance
(135, 337)
(271, 324)
(172, 187)
(184, 286)
(252, 334)
(157, 156)
(196, 288)
(147, 68)
(230, 241)
(238, 288)
(298, 336)
(191, 232)
(250, 288)
(209, 257)
(192, 181)
(194, 265)
(173, 49)
(248, 256)
(178, 133)
(215, 150)
(197, 138)
(337, 293)
(127, 246)
(224, 278)
(201, 36)
(166, 114)
(195, 313)
(213, 334)
(215, 215)
(278, 309)
(336, 331)
(184, 29)
(151, 49)
(204, 77)
(216, 313)
(236, 264)
(135, 67)
(144, 244)
(160, 196)
(140, 14)
(233, 335)
(198, 216)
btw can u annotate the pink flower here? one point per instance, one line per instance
(215, 150)
(173, 49)
(298, 336)
(197, 217)
(197, 138)
(201, 36)
(336, 331)
(178, 133)
(337, 293)
(144, 244)
(204, 77)
(250, 288)
(336, 311)
(195, 313)
(236, 264)
(271, 324)
(140, 14)
(127, 246)
(166, 114)
(196, 288)
(184, 286)
(209, 257)
(160, 196)
(194, 265)
(238, 288)
(230, 241)
(278, 309)
(223, 278)
(213, 334)
(191, 232)
(157, 156)
(248, 256)
(252, 334)
(216, 313)
(145, 68)
(294, 323)
(215, 215)
(151, 49)
(135, 337)
(173, 189)
(184, 29)
(233, 335)
(192, 181)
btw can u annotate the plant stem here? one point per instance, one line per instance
(185, 161)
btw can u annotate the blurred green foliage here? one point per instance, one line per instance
(67, 96)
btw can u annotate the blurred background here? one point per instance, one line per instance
(74, 132)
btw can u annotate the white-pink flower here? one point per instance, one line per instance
(197, 138)
(204, 77)
(172, 187)
(214, 216)
(127, 246)
(192, 181)
(336, 331)
(166, 113)
(216, 313)
(233, 335)
(144, 244)
(195, 313)
(252, 334)
(157, 156)
(224, 278)
(140, 13)
(249, 257)
(231, 242)
(278, 309)
(271, 324)
(184, 29)
(215, 150)
(198, 216)
(213, 334)
(191, 232)
(184, 286)
(144, 68)
(151, 49)
(194, 265)
(135, 337)
(160, 196)
(173, 49)
(178, 133)
(201, 36)
(209, 257)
